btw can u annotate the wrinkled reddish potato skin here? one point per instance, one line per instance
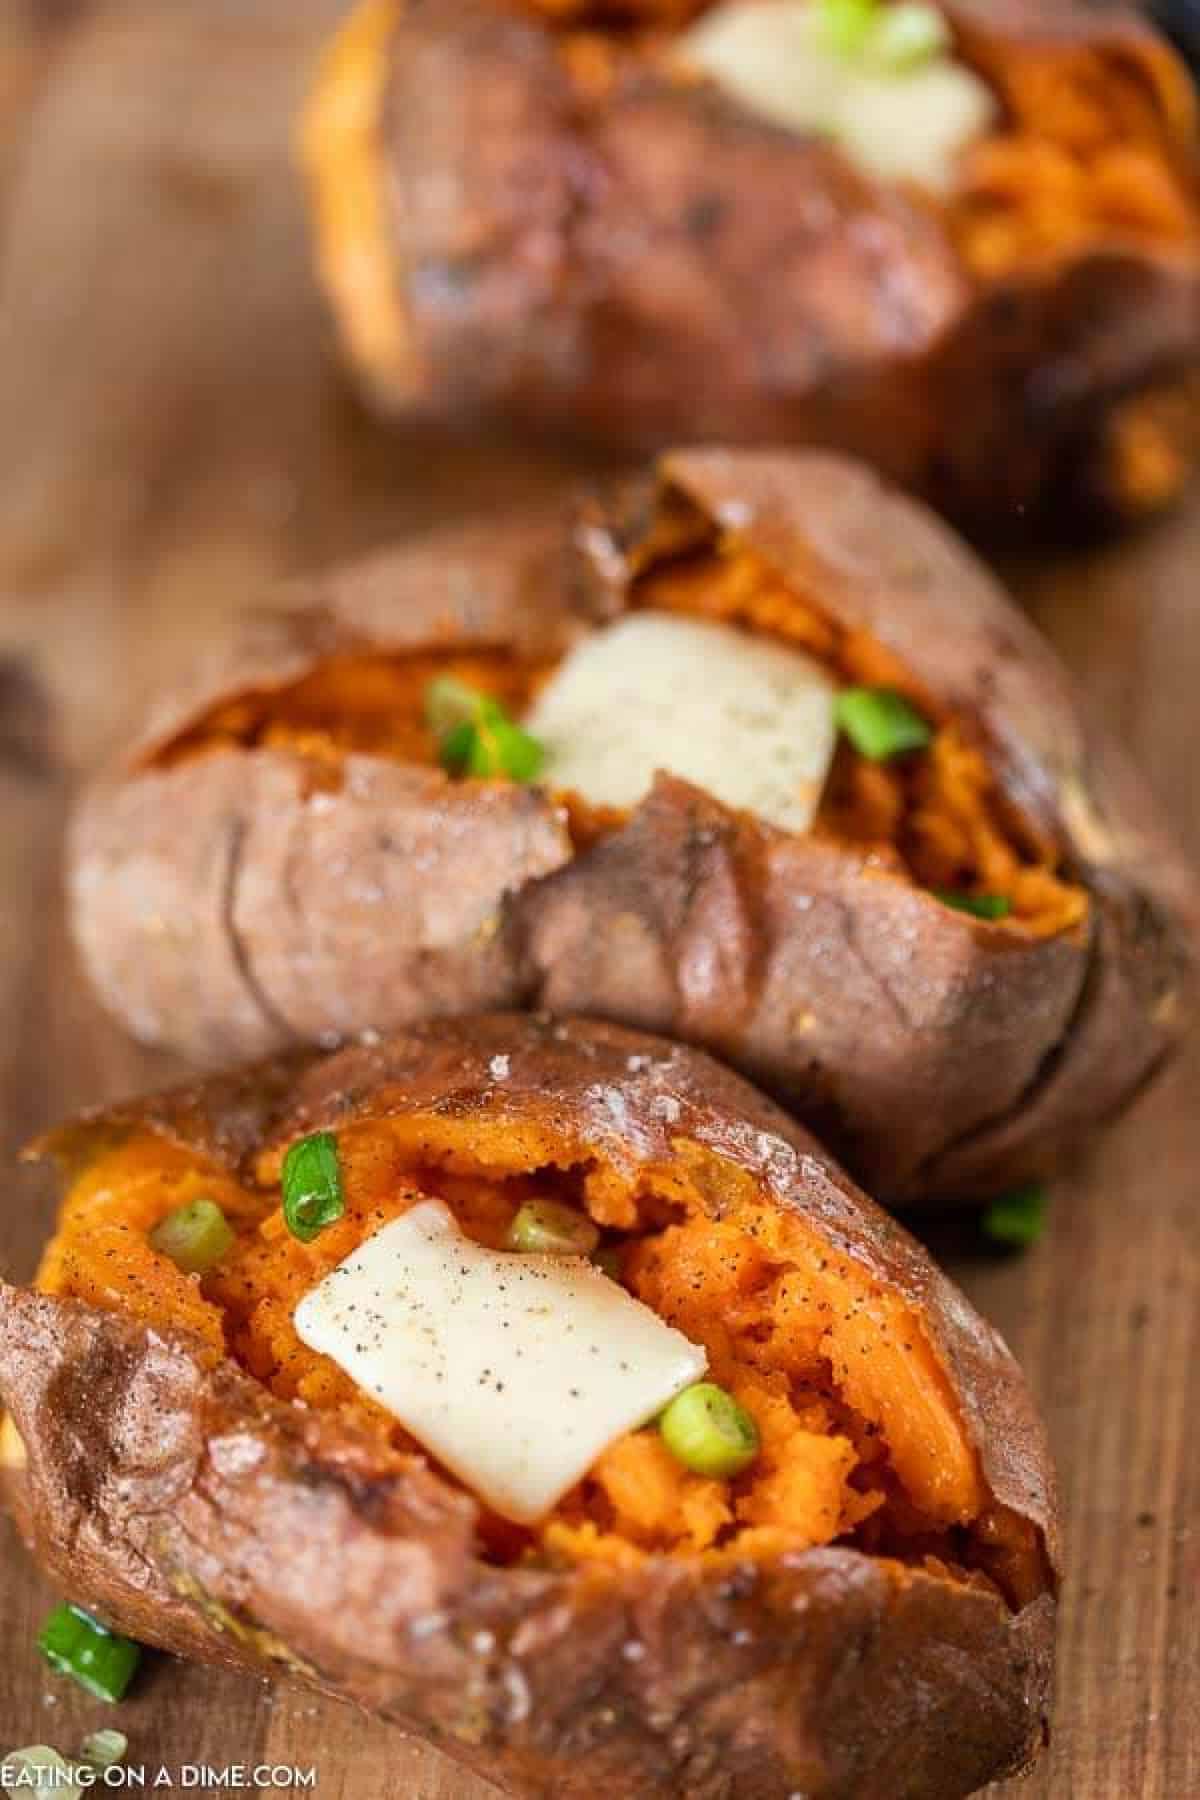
(659, 266)
(850, 994)
(190, 1508)
(847, 992)
(287, 915)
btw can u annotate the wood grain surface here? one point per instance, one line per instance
(173, 435)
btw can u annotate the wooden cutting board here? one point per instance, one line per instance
(173, 434)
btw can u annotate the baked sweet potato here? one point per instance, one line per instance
(866, 1610)
(282, 859)
(550, 213)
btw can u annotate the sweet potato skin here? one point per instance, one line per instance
(654, 264)
(190, 1508)
(846, 993)
(291, 910)
(838, 986)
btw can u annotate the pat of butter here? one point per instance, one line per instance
(749, 721)
(894, 125)
(515, 1371)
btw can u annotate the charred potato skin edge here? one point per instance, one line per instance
(205, 1516)
(820, 997)
(993, 398)
(1089, 1020)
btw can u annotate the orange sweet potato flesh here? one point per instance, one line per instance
(1021, 348)
(356, 702)
(1082, 152)
(857, 1422)
(870, 1611)
(937, 814)
(324, 885)
(940, 810)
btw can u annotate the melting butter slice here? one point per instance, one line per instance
(893, 124)
(515, 1371)
(749, 721)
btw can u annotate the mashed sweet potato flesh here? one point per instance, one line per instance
(862, 1441)
(937, 816)
(364, 704)
(1090, 156)
(1086, 155)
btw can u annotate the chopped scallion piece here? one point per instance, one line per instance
(458, 748)
(476, 736)
(104, 1749)
(907, 35)
(881, 723)
(312, 1186)
(706, 1430)
(982, 906)
(195, 1236)
(847, 24)
(549, 1228)
(1017, 1219)
(77, 1645)
(40, 1767)
(449, 703)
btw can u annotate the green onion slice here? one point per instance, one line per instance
(76, 1644)
(502, 747)
(981, 906)
(476, 736)
(706, 1430)
(195, 1236)
(449, 703)
(551, 1229)
(104, 1749)
(846, 25)
(43, 1770)
(312, 1186)
(906, 36)
(880, 723)
(1017, 1219)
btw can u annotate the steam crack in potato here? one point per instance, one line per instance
(982, 908)
(979, 271)
(224, 1489)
